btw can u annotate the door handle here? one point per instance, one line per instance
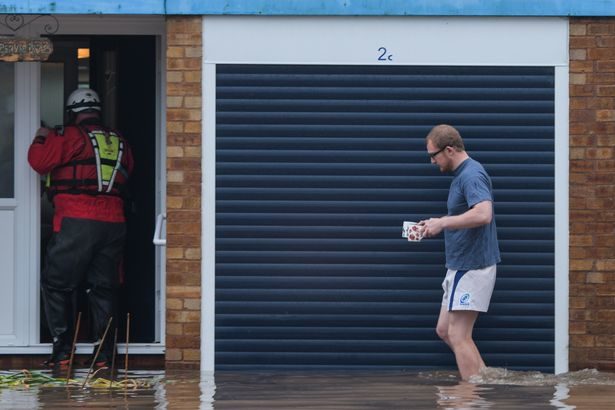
(158, 239)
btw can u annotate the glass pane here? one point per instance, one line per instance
(7, 130)
(52, 114)
(83, 67)
(52, 94)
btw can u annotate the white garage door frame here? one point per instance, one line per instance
(475, 41)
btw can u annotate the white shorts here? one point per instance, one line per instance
(468, 290)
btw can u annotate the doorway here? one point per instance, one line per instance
(122, 69)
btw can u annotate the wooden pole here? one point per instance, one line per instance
(102, 342)
(127, 341)
(72, 350)
(113, 357)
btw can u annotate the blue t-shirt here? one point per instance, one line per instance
(472, 248)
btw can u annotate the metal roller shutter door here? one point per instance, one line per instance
(317, 167)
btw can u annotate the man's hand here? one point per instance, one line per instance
(480, 214)
(432, 226)
(41, 134)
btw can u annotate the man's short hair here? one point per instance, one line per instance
(444, 135)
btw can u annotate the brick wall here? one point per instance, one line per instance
(183, 291)
(592, 189)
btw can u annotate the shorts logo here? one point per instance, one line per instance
(464, 299)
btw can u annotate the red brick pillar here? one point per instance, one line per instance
(183, 266)
(592, 189)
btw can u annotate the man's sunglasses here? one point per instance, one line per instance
(433, 154)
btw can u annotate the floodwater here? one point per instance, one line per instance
(495, 388)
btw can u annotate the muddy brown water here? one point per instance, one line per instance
(495, 388)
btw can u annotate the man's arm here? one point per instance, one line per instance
(50, 149)
(479, 215)
(38, 152)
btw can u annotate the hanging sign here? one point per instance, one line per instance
(25, 49)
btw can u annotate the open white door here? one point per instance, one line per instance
(16, 184)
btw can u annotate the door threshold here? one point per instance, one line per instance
(85, 348)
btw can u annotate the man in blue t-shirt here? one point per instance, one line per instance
(471, 246)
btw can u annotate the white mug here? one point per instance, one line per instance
(412, 231)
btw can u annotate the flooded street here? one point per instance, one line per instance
(495, 388)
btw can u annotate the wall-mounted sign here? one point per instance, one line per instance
(25, 49)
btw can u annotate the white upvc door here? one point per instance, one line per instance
(18, 219)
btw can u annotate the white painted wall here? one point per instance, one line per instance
(408, 40)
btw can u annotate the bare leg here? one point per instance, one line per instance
(460, 326)
(443, 329)
(442, 326)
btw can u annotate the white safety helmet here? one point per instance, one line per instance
(83, 99)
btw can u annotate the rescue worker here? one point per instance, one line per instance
(87, 167)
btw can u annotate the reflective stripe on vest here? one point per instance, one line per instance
(96, 170)
(108, 151)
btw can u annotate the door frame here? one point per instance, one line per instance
(27, 114)
(22, 215)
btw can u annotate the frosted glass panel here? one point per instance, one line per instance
(7, 274)
(7, 130)
(52, 94)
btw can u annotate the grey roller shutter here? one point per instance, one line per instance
(317, 167)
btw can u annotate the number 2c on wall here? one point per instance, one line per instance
(384, 55)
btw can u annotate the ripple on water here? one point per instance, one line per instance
(498, 375)
(496, 388)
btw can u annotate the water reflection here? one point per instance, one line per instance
(208, 390)
(591, 397)
(562, 392)
(181, 389)
(463, 396)
(15, 399)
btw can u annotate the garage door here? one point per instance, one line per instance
(317, 167)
